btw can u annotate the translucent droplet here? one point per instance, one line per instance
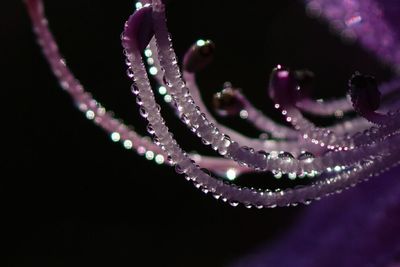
(129, 72)
(374, 130)
(205, 190)
(150, 129)
(134, 89)
(159, 159)
(138, 5)
(178, 169)
(168, 98)
(248, 205)
(231, 174)
(306, 157)
(148, 53)
(233, 203)
(156, 141)
(162, 90)
(90, 115)
(285, 156)
(153, 71)
(143, 112)
(166, 81)
(264, 154)
(115, 137)
(149, 155)
(185, 119)
(216, 196)
(170, 160)
(128, 144)
(205, 142)
(244, 114)
(277, 174)
(139, 101)
(292, 175)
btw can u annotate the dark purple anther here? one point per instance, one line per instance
(199, 56)
(139, 29)
(226, 103)
(364, 93)
(283, 87)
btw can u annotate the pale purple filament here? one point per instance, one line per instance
(360, 157)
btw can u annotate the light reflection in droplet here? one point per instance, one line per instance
(149, 155)
(139, 5)
(200, 42)
(231, 174)
(148, 53)
(167, 98)
(153, 70)
(90, 114)
(150, 61)
(244, 114)
(162, 90)
(115, 137)
(159, 159)
(141, 150)
(128, 144)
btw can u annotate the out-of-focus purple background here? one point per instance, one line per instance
(72, 197)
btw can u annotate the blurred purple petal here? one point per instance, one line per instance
(359, 227)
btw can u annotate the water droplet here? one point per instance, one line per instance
(264, 154)
(90, 115)
(306, 157)
(129, 72)
(248, 205)
(128, 144)
(185, 119)
(285, 156)
(159, 159)
(277, 174)
(150, 129)
(233, 203)
(139, 101)
(134, 89)
(166, 82)
(149, 155)
(205, 190)
(231, 174)
(178, 169)
(216, 196)
(115, 137)
(143, 112)
(374, 130)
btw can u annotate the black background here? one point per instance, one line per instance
(71, 197)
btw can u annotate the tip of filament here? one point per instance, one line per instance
(139, 29)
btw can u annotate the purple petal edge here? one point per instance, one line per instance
(356, 228)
